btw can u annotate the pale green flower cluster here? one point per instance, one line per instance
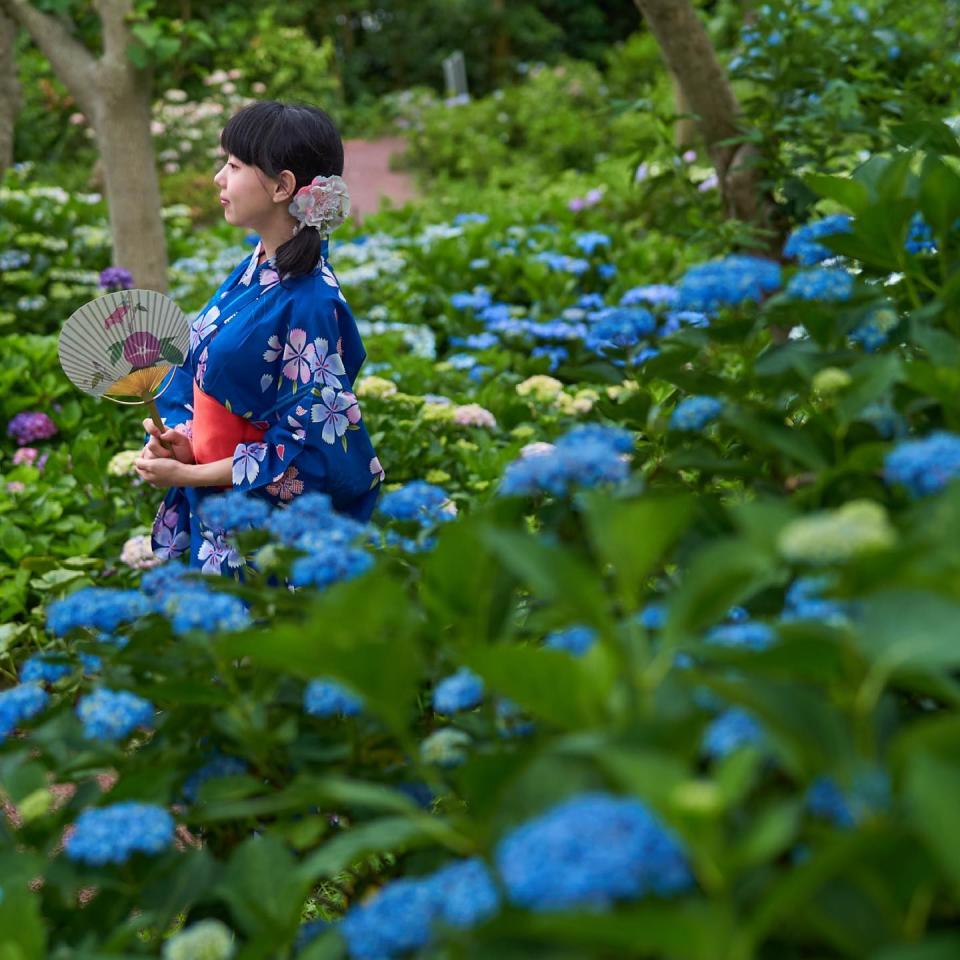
(835, 536)
(205, 940)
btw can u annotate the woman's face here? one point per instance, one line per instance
(246, 194)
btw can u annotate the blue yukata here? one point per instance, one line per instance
(268, 380)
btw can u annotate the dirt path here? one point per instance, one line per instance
(369, 177)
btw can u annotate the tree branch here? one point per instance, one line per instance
(71, 61)
(116, 34)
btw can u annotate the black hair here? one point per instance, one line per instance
(278, 136)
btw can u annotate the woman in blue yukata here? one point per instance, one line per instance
(264, 403)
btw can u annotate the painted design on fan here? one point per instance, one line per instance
(142, 349)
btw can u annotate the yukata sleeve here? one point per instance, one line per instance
(316, 440)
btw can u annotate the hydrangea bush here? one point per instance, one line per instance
(666, 668)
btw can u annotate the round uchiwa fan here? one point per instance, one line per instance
(121, 346)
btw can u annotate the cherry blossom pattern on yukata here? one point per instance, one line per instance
(330, 280)
(246, 462)
(338, 411)
(286, 486)
(299, 357)
(168, 542)
(203, 326)
(214, 551)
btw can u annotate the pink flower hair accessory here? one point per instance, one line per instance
(323, 204)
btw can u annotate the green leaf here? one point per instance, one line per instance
(932, 789)
(793, 443)
(932, 135)
(263, 887)
(938, 946)
(551, 684)
(388, 835)
(13, 541)
(720, 575)
(872, 378)
(633, 535)
(553, 573)
(23, 935)
(847, 192)
(171, 354)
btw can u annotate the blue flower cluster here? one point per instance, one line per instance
(827, 284)
(653, 616)
(218, 766)
(729, 731)
(589, 851)
(619, 327)
(654, 294)
(562, 263)
(113, 834)
(920, 236)
(327, 698)
(576, 640)
(44, 668)
(310, 523)
(463, 218)
(555, 355)
(586, 456)
(400, 917)
(329, 564)
(924, 466)
(113, 714)
(802, 243)
(749, 635)
(826, 800)
(805, 601)
(694, 413)
(99, 608)
(13, 259)
(234, 511)
(589, 242)
(720, 283)
(477, 300)
(196, 608)
(20, 703)
(419, 501)
(462, 690)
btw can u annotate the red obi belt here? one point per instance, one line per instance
(217, 431)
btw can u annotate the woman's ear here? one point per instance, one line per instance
(286, 187)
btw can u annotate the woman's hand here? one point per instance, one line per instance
(180, 447)
(162, 471)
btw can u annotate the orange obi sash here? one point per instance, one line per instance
(217, 431)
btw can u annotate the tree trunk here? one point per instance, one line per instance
(115, 96)
(121, 124)
(690, 57)
(685, 128)
(9, 91)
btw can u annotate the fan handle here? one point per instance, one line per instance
(157, 419)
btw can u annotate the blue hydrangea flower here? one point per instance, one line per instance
(619, 327)
(511, 720)
(20, 703)
(654, 294)
(166, 577)
(729, 731)
(113, 834)
(461, 361)
(218, 766)
(418, 501)
(234, 511)
(311, 522)
(463, 218)
(476, 341)
(327, 698)
(462, 690)
(206, 610)
(827, 801)
(920, 236)
(99, 608)
(396, 920)
(749, 635)
(464, 893)
(576, 640)
(694, 413)
(556, 355)
(827, 284)
(653, 616)
(805, 601)
(328, 565)
(113, 714)
(563, 263)
(585, 456)
(41, 668)
(607, 271)
(477, 300)
(924, 466)
(802, 243)
(588, 242)
(736, 279)
(588, 852)
(591, 301)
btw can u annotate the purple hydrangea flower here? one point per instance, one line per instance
(116, 278)
(28, 426)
